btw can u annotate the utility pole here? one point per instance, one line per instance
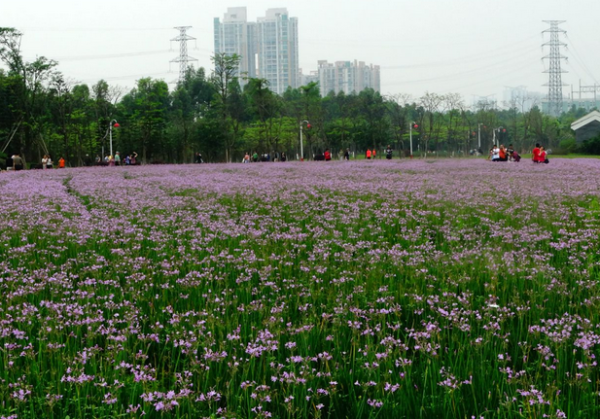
(554, 58)
(183, 58)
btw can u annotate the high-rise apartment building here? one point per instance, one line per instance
(235, 35)
(268, 47)
(348, 77)
(277, 36)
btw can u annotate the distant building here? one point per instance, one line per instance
(312, 77)
(237, 36)
(588, 104)
(277, 36)
(521, 98)
(268, 47)
(587, 127)
(348, 77)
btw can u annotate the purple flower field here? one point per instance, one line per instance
(374, 289)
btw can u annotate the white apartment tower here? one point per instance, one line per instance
(277, 36)
(235, 35)
(348, 77)
(269, 47)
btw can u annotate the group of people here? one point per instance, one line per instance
(47, 162)
(504, 154)
(371, 154)
(129, 160)
(16, 162)
(255, 157)
(539, 155)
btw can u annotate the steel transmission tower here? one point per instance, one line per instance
(183, 58)
(555, 84)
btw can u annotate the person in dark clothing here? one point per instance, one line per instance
(388, 153)
(283, 157)
(510, 151)
(17, 162)
(347, 154)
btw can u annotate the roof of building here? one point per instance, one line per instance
(583, 121)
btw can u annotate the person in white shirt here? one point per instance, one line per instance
(495, 153)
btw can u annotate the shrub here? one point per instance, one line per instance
(591, 146)
(569, 145)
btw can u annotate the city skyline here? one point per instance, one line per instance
(474, 48)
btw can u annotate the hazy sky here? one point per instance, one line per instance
(471, 47)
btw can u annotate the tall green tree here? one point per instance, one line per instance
(227, 98)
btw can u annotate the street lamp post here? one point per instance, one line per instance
(410, 130)
(110, 127)
(301, 140)
(499, 137)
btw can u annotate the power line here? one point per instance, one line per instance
(131, 76)
(107, 56)
(461, 60)
(578, 58)
(496, 65)
(88, 29)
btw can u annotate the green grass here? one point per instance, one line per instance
(459, 307)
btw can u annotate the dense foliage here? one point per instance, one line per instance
(223, 117)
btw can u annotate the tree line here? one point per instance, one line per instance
(223, 116)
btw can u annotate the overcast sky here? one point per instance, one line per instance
(471, 47)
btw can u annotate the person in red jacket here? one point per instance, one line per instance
(374, 153)
(535, 154)
(368, 154)
(61, 163)
(327, 155)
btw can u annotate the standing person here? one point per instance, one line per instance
(374, 153)
(535, 153)
(127, 160)
(17, 163)
(283, 157)
(254, 157)
(246, 158)
(44, 161)
(61, 163)
(388, 152)
(111, 160)
(134, 158)
(49, 162)
(117, 159)
(368, 155)
(327, 155)
(347, 154)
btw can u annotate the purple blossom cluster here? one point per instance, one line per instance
(438, 288)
